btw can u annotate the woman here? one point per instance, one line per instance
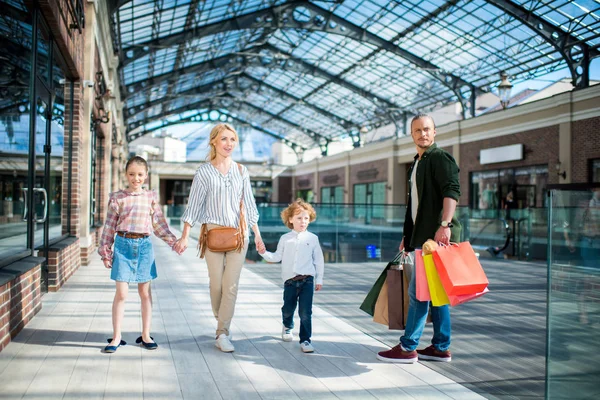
(214, 200)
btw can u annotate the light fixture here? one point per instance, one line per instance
(563, 173)
(363, 129)
(504, 89)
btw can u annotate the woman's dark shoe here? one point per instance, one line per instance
(149, 346)
(112, 349)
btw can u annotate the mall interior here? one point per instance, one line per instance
(322, 94)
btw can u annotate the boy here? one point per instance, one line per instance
(302, 266)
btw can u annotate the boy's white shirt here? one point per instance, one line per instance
(300, 254)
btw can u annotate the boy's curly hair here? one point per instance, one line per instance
(296, 207)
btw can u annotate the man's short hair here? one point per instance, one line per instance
(419, 116)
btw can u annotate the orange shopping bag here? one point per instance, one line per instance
(436, 290)
(459, 269)
(463, 298)
(422, 288)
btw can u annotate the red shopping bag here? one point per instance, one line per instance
(459, 269)
(421, 278)
(463, 298)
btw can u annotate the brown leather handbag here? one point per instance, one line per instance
(224, 239)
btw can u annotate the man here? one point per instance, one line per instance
(432, 197)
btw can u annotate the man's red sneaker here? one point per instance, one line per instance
(432, 354)
(397, 355)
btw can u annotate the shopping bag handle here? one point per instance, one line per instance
(448, 245)
(406, 258)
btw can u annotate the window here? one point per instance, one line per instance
(332, 195)
(369, 200)
(508, 188)
(595, 170)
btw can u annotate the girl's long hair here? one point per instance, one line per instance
(214, 135)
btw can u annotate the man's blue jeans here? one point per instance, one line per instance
(299, 292)
(417, 316)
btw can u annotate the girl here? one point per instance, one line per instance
(214, 200)
(133, 214)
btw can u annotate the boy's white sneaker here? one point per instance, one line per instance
(286, 334)
(307, 347)
(224, 344)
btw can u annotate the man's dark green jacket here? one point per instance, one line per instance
(437, 177)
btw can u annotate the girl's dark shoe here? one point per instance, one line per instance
(149, 346)
(112, 349)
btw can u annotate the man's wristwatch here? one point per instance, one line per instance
(447, 224)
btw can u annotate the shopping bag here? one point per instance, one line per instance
(421, 286)
(368, 304)
(463, 298)
(436, 290)
(380, 314)
(397, 300)
(459, 269)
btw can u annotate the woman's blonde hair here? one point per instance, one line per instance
(297, 207)
(214, 134)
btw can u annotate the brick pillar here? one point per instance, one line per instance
(72, 167)
(87, 235)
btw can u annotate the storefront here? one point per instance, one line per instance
(34, 136)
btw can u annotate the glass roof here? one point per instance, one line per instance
(320, 70)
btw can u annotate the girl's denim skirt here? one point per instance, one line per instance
(133, 260)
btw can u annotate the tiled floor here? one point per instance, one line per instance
(58, 355)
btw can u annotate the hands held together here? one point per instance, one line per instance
(182, 243)
(260, 245)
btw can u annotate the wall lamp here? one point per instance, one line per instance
(104, 117)
(563, 173)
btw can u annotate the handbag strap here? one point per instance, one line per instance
(202, 240)
(242, 225)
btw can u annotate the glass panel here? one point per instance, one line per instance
(574, 302)
(15, 64)
(43, 72)
(595, 171)
(360, 199)
(93, 199)
(339, 195)
(55, 209)
(378, 190)
(40, 198)
(326, 195)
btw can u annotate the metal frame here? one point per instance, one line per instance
(562, 41)
(275, 24)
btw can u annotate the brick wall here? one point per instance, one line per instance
(87, 252)
(585, 135)
(20, 300)
(72, 165)
(540, 147)
(374, 171)
(64, 258)
(331, 177)
(305, 182)
(285, 193)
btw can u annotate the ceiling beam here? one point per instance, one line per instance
(219, 84)
(564, 42)
(295, 15)
(212, 104)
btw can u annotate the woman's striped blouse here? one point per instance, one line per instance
(215, 198)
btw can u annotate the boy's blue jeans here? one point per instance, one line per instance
(417, 316)
(299, 292)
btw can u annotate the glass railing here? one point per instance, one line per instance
(363, 233)
(573, 294)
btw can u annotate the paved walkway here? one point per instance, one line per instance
(58, 355)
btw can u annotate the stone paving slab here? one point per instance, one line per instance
(58, 354)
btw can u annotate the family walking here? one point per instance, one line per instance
(222, 202)
(221, 196)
